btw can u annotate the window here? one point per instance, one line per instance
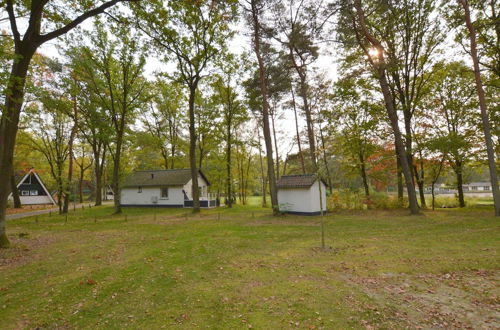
(33, 192)
(139, 190)
(25, 193)
(164, 193)
(474, 188)
(486, 188)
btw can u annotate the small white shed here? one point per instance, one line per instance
(300, 194)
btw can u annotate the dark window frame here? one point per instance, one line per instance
(162, 190)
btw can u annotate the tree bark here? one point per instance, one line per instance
(419, 179)
(229, 179)
(9, 126)
(276, 146)
(402, 156)
(263, 176)
(15, 193)
(460, 182)
(299, 144)
(301, 71)
(433, 196)
(265, 108)
(115, 182)
(484, 110)
(362, 169)
(67, 194)
(399, 174)
(192, 150)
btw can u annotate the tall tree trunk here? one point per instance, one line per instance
(80, 185)
(71, 157)
(265, 108)
(399, 174)
(325, 160)
(460, 182)
(192, 151)
(263, 176)
(229, 178)
(15, 192)
(299, 144)
(115, 181)
(309, 121)
(276, 147)
(9, 126)
(301, 71)
(433, 195)
(402, 156)
(419, 179)
(98, 184)
(484, 110)
(362, 169)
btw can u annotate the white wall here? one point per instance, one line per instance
(132, 196)
(35, 200)
(315, 200)
(201, 183)
(302, 199)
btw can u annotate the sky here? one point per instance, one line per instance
(241, 42)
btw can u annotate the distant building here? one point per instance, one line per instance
(300, 194)
(32, 190)
(483, 187)
(477, 187)
(164, 188)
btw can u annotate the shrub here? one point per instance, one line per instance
(384, 201)
(352, 200)
(445, 202)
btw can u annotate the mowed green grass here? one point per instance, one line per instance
(243, 268)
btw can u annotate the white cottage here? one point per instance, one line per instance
(165, 188)
(32, 190)
(300, 194)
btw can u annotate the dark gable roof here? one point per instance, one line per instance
(296, 181)
(160, 178)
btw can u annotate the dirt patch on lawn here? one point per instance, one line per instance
(24, 248)
(29, 208)
(462, 300)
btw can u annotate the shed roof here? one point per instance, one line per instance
(297, 181)
(177, 177)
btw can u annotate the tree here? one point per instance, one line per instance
(51, 137)
(233, 115)
(164, 120)
(298, 28)
(358, 119)
(83, 161)
(454, 117)
(194, 35)
(41, 18)
(254, 15)
(482, 103)
(112, 71)
(375, 54)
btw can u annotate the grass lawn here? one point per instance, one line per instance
(242, 268)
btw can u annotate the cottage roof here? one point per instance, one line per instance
(477, 184)
(176, 177)
(297, 181)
